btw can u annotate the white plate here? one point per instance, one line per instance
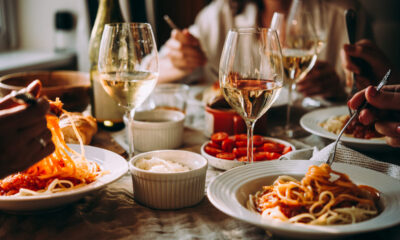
(229, 193)
(109, 161)
(224, 164)
(311, 123)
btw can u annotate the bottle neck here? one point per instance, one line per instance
(109, 11)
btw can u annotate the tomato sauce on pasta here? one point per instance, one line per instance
(63, 169)
(322, 197)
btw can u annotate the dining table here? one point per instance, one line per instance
(112, 212)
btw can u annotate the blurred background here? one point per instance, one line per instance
(54, 34)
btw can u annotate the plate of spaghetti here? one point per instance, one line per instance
(66, 175)
(328, 122)
(308, 199)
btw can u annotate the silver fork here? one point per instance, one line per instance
(332, 154)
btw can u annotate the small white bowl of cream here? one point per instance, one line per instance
(168, 179)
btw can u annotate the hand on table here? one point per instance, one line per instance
(24, 136)
(322, 80)
(184, 51)
(384, 111)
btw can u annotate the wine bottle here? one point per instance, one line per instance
(104, 108)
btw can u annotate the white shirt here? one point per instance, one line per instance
(214, 21)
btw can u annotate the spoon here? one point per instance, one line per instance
(364, 105)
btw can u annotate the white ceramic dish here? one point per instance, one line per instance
(109, 161)
(311, 123)
(158, 129)
(170, 190)
(229, 192)
(229, 164)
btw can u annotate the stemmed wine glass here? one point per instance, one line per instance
(128, 66)
(251, 74)
(299, 41)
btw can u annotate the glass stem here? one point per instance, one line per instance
(130, 114)
(250, 128)
(289, 105)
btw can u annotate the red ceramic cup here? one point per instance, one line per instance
(223, 120)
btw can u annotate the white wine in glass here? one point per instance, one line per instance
(251, 74)
(128, 67)
(300, 44)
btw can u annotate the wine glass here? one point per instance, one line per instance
(299, 41)
(128, 66)
(251, 74)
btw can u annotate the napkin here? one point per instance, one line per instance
(345, 155)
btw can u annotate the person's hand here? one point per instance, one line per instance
(322, 80)
(24, 136)
(184, 51)
(366, 60)
(384, 111)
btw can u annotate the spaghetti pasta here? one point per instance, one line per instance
(317, 199)
(63, 169)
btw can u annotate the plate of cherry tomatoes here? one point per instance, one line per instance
(226, 152)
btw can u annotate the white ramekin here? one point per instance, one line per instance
(170, 190)
(158, 129)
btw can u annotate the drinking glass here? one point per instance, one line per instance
(128, 67)
(251, 74)
(299, 41)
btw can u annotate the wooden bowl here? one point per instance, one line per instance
(71, 87)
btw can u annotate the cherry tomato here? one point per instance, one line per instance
(226, 155)
(241, 143)
(227, 145)
(272, 155)
(219, 137)
(260, 156)
(239, 152)
(242, 159)
(287, 149)
(214, 145)
(241, 137)
(212, 151)
(258, 142)
(272, 147)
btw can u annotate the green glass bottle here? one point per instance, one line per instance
(104, 108)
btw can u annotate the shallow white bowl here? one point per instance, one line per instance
(225, 164)
(170, 190)
(230, 191)
(158, 129)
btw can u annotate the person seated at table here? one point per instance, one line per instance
(384, 110)
(24, 136)
(199, 47)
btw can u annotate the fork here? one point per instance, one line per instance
(351, 15)
(332, 154)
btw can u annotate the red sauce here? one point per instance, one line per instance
(12, 184)
(291, 211)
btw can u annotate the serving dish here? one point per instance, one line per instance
(157, 129)
(224, 164)
(169, 190)
(229, 193)
(112, 163)
(312, 120)
(72, 87)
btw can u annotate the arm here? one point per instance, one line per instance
(180, 56)
(24, 137)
